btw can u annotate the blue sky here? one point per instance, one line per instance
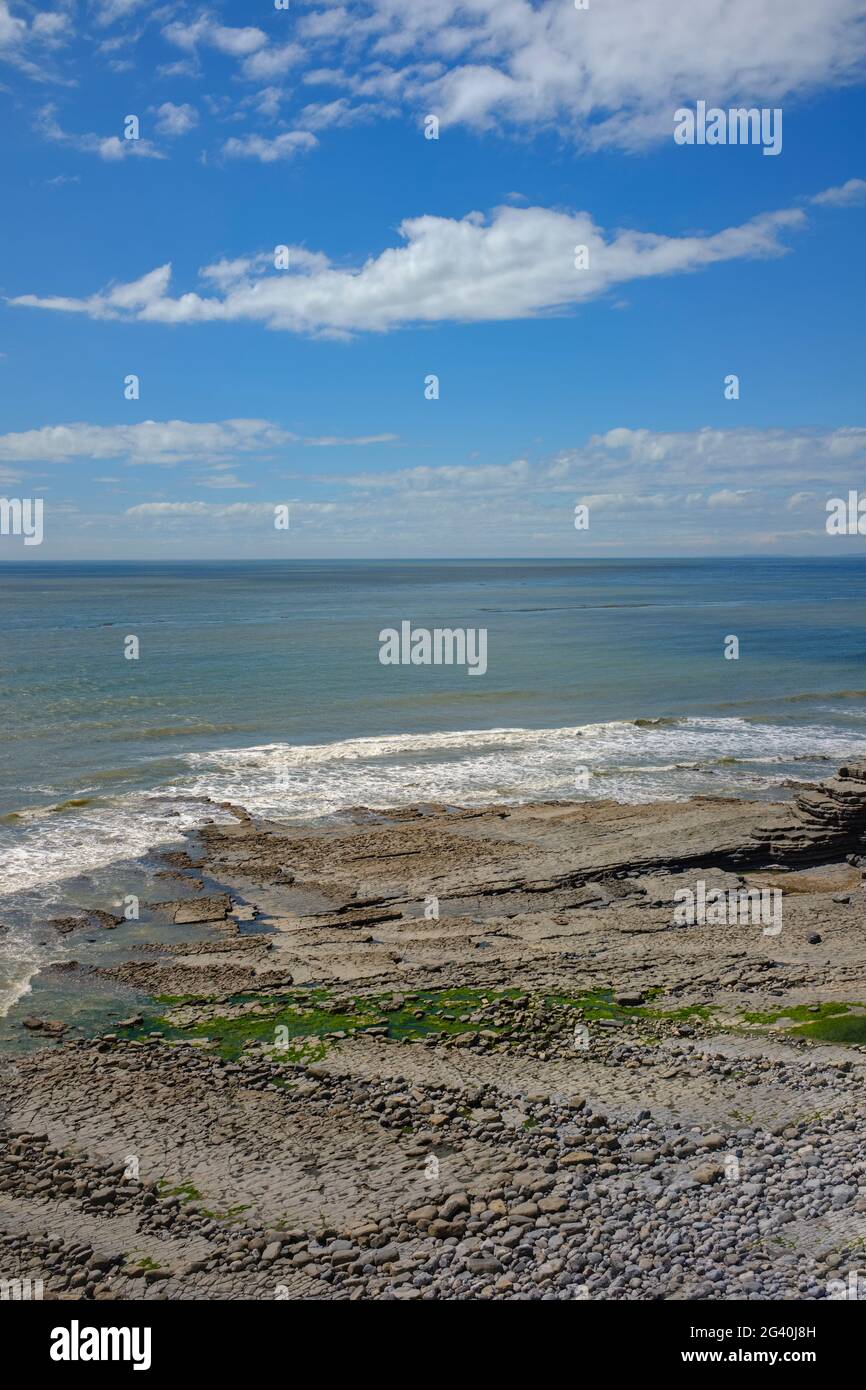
(408, 257)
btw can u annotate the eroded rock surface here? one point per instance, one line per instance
(457, 1054)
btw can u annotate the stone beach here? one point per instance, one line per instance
(443, 1053)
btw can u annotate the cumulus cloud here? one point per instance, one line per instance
(163, 442)
(174, 120)
(615, 73)
(846, 195)
(237, 43)
(424, 479)
(108, 11)
(269, 63)
(267, 150)
(24, 44)
(629, 461)
(342, 112)
(516, 263)
(650, 491)
(780, 457)
(108, 147)
(610, 75)
(13, 31)
(52, 28)
(251, 518)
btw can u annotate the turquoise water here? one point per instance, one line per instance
(261, 684)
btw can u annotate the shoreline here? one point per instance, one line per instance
(457, 1053)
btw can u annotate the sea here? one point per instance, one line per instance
(260, 683)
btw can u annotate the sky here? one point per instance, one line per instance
(282, 258)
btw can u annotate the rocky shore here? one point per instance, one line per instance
(458, 1054)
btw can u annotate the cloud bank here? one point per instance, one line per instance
(516, 263)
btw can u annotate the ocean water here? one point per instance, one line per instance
(261, 684)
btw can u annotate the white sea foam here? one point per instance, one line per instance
(47, 848)
(626, 762)
(19, 963)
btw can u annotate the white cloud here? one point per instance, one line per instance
(648, 492)
(610, 75)
(700, 491)
(223, 480)
(616, 72)
(342, 112)
(846, 195)
(175, 120)
(52, 27)
(623, 464)
(728, 497)
(24, 45)
(517, 263)
(13, 31)
(150, 442)
(164, 442)
(328, 23)
(624, 502)
(268, 101)
(184, 67)
(269, 151)
(269, 63)
(231, 514)
(115, 302)
(108, 147)
(427, 480)
(329, 441)
(780, 457)
(110, 10)
(237, 43)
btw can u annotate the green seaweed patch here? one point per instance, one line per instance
(798, 1013)
(230, 1214)
(311, 1018)
(230, 1034)
(599, 1003)
(151, 1024)
(281, 998)
(840, 1028)
(310, 1015)
(596, 1003)
(186, 1190)
(828, 1022)
(444, 1011)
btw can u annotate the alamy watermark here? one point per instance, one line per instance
(441, 646)
(739, 125)
(21, 1290)
(846, 516)
(22, 516)
(853, 1288)
(731, 907)
(77, 1343)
